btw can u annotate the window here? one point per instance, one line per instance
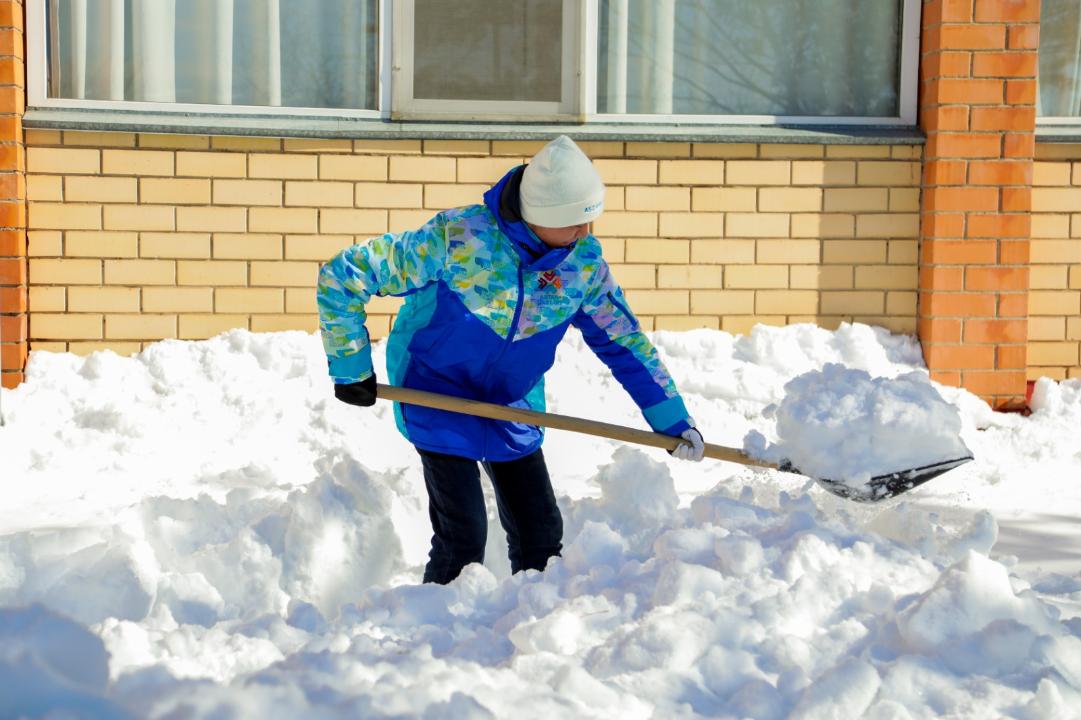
(653, 61)
(732, 57)
(1059, 98)
(266, 53)
(484, 59)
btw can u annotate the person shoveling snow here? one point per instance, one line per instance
(490, 290)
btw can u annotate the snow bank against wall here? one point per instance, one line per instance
(202, 531)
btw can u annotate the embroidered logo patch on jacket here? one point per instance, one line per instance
(550, 279)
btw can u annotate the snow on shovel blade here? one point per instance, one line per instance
(883, 487)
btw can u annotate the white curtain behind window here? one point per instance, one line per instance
(616, 61)
(203, 51)
(657, 79)
(153, 50)
(104, 21)
(264, 81)
(1060, 59)
(296, 53)
(767, 57)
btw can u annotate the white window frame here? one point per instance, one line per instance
(37, 81)
(1058, 121)
(906, 95)
(406, 106)
(579, 88)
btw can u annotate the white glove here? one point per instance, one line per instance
(692, 448)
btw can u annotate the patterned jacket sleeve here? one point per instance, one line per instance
(613, 333)
(394, 264)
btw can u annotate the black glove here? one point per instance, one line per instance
(359, 393)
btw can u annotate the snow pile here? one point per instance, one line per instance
(1057, 398)
(844, 425)
(241, 410)
(202, 531)
(51, 666)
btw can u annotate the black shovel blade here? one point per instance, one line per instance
(884, 487)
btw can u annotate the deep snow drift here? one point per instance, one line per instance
(202, 530)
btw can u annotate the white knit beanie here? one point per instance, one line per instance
(560, 187)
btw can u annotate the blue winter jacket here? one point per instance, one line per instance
(486, 304)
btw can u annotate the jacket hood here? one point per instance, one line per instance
(502, 201)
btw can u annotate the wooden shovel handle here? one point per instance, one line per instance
(559, 422)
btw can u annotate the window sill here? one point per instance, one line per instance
(354, 128)
(1059, 133)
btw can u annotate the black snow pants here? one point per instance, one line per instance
(527, 510)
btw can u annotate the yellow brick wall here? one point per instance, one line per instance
(1054, 306)
(134, 238)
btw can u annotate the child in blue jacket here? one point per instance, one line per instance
(490, 290)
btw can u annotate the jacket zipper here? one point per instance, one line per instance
(506, 343)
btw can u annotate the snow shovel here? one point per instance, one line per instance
(880, 487)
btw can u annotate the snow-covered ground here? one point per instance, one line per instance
(203, 531)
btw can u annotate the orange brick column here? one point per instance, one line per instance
(977, 106)
(13, 281)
